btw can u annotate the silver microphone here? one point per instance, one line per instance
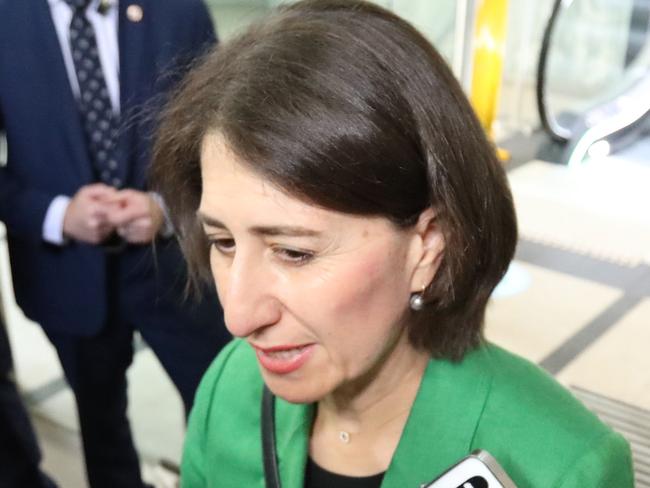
(478, 470)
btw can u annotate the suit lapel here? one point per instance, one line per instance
(54, 65)
(131, 40)
(131, 37)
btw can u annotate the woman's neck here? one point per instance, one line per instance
(392, 388)
(357, 427)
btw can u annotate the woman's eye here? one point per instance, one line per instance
(294, 256)
(224, 246)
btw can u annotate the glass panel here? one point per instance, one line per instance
(232, 15)
(435, 20)
(593, 44)
(587, 54)
(517, 109)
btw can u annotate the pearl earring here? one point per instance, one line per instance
(416, 301)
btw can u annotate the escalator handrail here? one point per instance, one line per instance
(557, 133)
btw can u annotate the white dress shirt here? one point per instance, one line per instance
(105, 26)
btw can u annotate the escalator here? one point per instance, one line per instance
(608, 119)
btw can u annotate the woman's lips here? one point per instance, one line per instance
(283, 359)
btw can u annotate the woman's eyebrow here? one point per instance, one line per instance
(210, 221)
(284, 230)
(265, 230)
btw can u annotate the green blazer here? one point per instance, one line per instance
(541, 435)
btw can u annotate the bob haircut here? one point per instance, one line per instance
(344, 105)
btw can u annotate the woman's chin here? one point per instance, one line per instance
(297, 392)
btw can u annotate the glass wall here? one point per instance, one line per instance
(590, 59)
(587, 56)
(436, 19)
(589, 52)
(231, 15)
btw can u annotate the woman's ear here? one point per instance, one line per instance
(428, 249)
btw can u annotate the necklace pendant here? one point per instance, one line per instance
(344, 437)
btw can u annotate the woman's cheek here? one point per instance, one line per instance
(355, 289)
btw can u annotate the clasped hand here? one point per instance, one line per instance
(98, 210)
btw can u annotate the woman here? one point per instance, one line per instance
(327, 169)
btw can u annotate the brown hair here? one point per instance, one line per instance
(346, 106)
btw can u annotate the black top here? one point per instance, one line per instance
(317, 477)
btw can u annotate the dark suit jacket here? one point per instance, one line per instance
(64, 288)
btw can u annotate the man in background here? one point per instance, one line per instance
(79, 82)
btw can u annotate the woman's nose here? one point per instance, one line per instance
(248, 300)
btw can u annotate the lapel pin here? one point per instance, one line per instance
(103, 6)
(134, 13)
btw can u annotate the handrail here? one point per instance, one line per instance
(636, 75)
(555, 131)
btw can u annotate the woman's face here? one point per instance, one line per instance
(319, 295)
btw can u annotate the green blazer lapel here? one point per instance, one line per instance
(442, 422)
(293, 425)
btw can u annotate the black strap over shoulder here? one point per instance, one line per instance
(269, 452)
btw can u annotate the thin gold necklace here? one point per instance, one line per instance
(345, 437)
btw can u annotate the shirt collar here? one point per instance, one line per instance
(93, 3)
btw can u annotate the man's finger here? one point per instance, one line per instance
(99, 191)
(126, 197)
(141, 223)
(118, 198)
(105, 228)
(123, 216)
(98, 212)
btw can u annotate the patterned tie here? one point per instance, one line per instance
(99, 121)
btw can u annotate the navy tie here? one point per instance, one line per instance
(99, 121)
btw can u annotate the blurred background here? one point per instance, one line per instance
(563, 88)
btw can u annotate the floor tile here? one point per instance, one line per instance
(599, 209)
(617, 365)
(62, 455)
(553, 307)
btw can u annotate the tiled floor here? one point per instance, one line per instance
(617, 365)
(511, 324)
(577, 301)
(598, 209)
